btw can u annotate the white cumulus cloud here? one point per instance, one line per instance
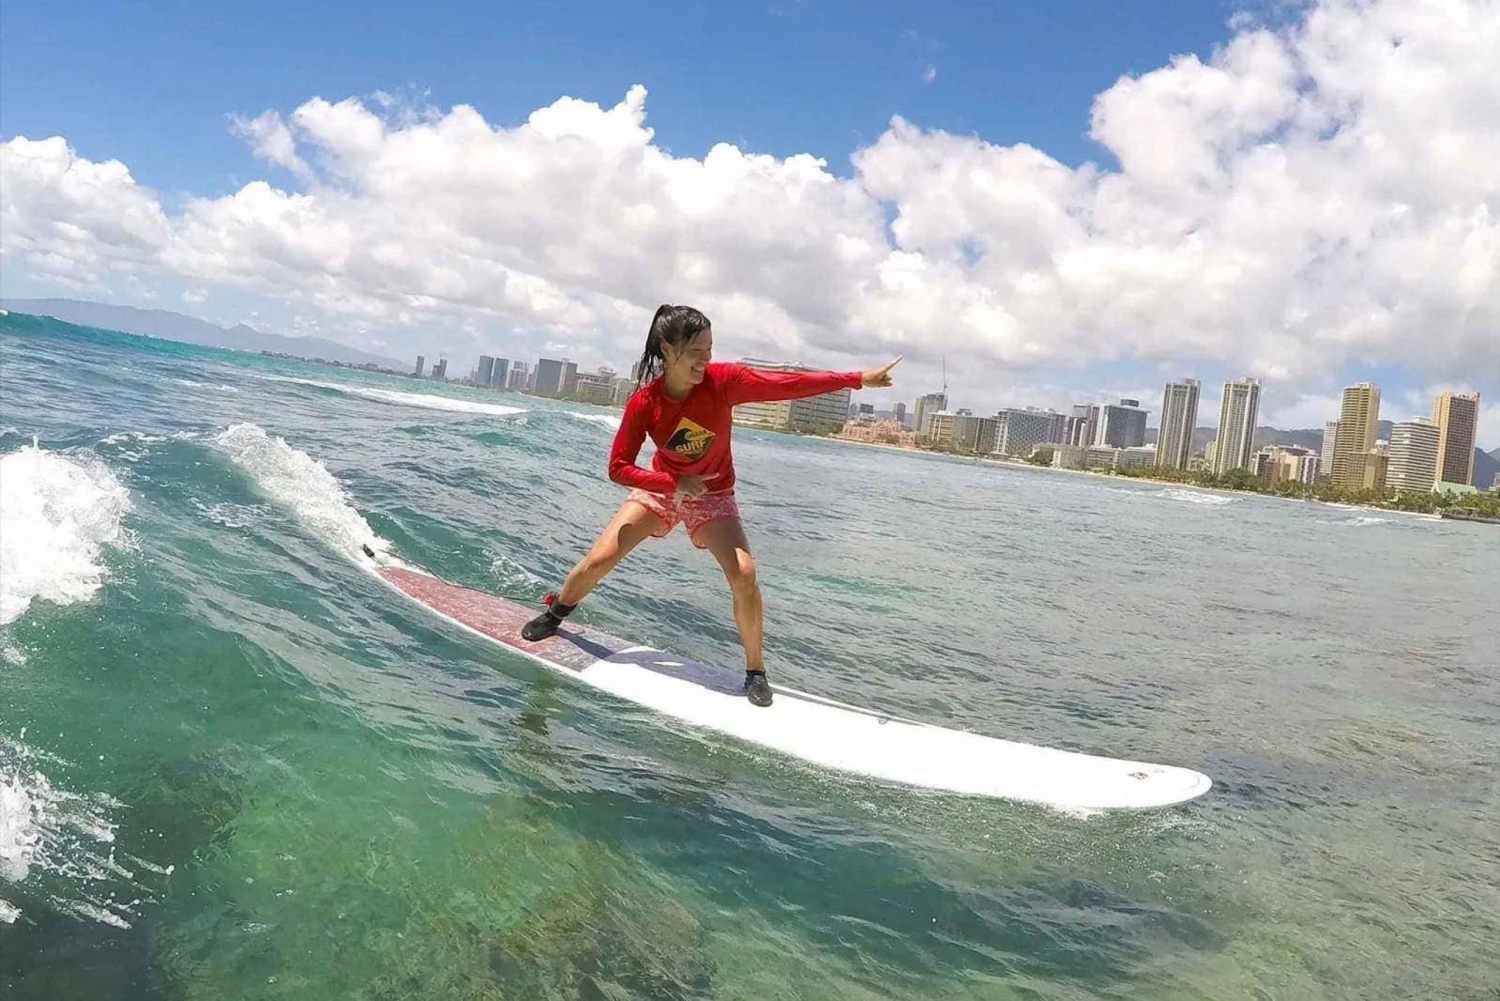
(1305, 199)
(271, 140)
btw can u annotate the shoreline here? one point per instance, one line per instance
(1023, 464)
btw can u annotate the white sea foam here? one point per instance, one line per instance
(426, 401)
(512, 574)
(121, 439)
(64, 839)
(58, 512)
(226, 514)
(295, 479)
(1363, 520)
(131, 437)
(1193, 497)
(195, 384)
(608, 420)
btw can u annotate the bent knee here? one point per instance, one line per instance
(741, 572)
(601, 558)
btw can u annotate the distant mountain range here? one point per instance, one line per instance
(177, 327)
(1486, 464)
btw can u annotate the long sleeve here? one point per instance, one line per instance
(744, 384)
(627, 446)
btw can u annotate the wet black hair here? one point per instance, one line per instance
(674, 325)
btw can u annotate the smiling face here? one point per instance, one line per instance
(687, 364)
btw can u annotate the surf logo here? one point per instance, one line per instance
(690, 440)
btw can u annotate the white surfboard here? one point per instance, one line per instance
(814, 729)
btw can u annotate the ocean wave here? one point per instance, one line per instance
(1362, 520)
(607, 420)
(1175, 494)
(59, 511)
(426, 401)
(61, 838)
(1193, 497)
(292, 478)
(195, 384)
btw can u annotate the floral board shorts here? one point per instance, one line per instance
(693, 512)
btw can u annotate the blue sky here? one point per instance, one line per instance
(155, 87)
(782, 77)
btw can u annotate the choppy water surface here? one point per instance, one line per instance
(233, 765)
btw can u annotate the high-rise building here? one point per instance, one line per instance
(1413, 455)
(516, 378)
(486, 370)
(822, 414)
(1017, 432)
(1325, 458)
(937, 427)
(898, 414)
(499, 373)
(549, 375)
(1456, 416)
(1122, 425)
(1179, 415)
(569, 378)
(1081, 427)
(1056, 426)
(1356, 434)
(1376, 462)
(973, 434)
(421, 364)
(930, 403)
(1210, 454)
(440, 370)
(1238, 410)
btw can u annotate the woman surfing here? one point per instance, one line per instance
(685, 402)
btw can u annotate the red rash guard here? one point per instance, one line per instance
(692, 434)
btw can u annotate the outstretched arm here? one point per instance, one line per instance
(755, 385)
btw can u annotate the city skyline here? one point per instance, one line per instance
(1405, 461)
(1180, 395)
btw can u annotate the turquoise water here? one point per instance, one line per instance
(233, 765)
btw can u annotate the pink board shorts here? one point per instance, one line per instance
(693, 512)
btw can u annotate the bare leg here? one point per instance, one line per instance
(632, 524)
(725, 538)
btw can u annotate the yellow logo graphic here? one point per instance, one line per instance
(690, 440)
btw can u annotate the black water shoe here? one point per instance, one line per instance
(548, 622)
(757, 688)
